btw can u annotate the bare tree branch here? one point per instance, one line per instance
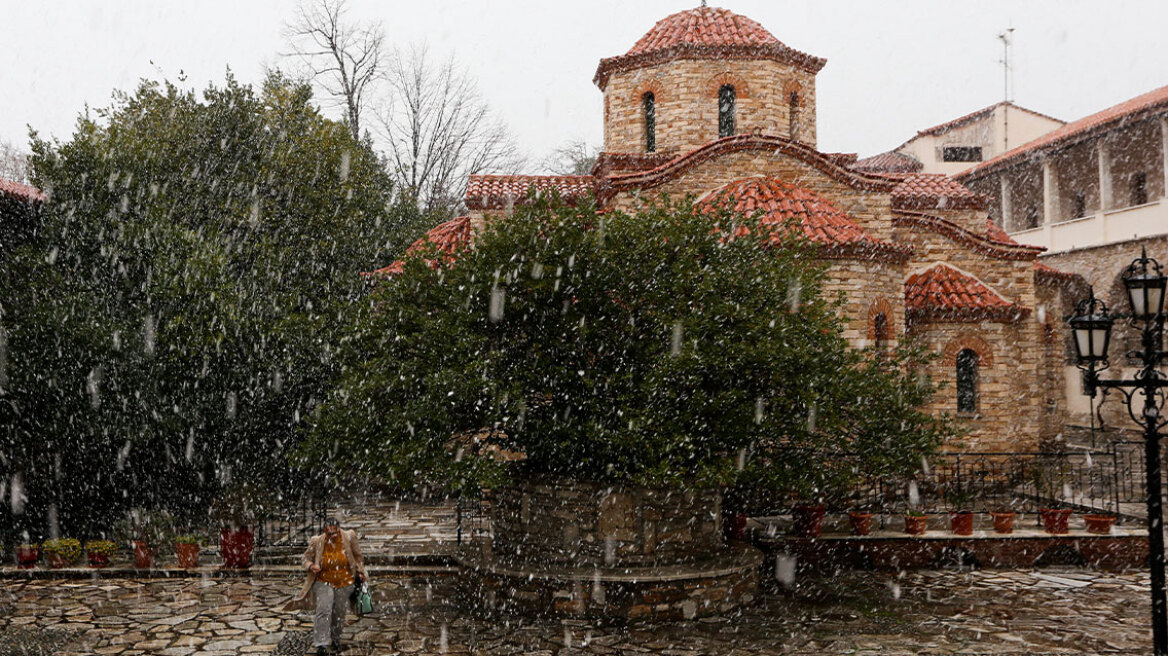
(13, 162)
(344, 58)
(440, 131)
(574, 157)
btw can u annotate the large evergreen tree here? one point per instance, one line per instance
(670, 346)
(175, 317)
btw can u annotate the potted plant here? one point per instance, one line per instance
(808, 519)
(27, 555)
(861, 521)
(1055, 520)
(99, 552)
(186, 547)
(960, 516)
(61, 552)
(915, 522)
(237, 510)
(1099, 524)
(143, 528)
(1003, 520)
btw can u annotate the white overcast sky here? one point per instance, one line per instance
(894, 66)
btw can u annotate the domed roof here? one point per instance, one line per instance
(705, 32)
(704, 26)
(821, 222)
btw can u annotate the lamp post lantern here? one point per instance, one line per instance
(1091, 326)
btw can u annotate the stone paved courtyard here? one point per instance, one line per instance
(928, 612)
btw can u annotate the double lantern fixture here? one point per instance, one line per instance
(1091, 325)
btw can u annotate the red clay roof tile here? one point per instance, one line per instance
(932, 191)
(890, 162)
(498, 191)
(448, 238)
(821, 221)
(21, 191)
(944, 293)
(705, 32)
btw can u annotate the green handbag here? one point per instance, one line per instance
(364, 598)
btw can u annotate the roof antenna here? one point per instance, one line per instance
(1007, 39)
(703, 3)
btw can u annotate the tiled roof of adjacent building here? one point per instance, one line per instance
(447, 238)
(21, 191)
(1148, 104)
(1049, 272)
(499, 191)
(946, 294)
(890, 162)
(933, 191)
(705, 32)
(821, 221)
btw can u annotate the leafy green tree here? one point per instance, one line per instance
(666, 347)
(175, 318)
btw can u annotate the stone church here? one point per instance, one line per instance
(710, 104)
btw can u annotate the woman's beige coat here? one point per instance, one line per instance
(306, 600)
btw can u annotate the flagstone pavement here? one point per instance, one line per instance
(1052, 611)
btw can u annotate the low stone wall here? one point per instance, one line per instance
(577, 523)
(1105, 552)
(717, 586)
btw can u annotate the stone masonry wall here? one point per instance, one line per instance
(686, 96)
(556, 520)
(869, 287)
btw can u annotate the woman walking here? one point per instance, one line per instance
(334, 564)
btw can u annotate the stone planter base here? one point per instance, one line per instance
(673, 592)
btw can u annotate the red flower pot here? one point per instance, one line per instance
(56, 560)
(961, 522)
(27, 556)
(808, 520)
(1099, 524)
(914, 525)
(861, 522)
(1055, 520)
(734, 526)
(188, 555)
(143, 556)
(235, 545)
(98, 560)
(1003, 522)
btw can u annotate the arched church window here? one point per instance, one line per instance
(726, 102)
(650, 103)
(881, 333)
(967, 362)
(793, 114)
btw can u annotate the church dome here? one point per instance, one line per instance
(705, 32)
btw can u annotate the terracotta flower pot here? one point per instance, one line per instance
(808, 520)
(1099, 524)
(56, 560)
(235, 545)
(1055, 520)
(914, 525)
(98, 560)
(188, 555)
(734, 526)
(861, 522)
(27, 557)
(1003, 522)
(143, 555)
(961, 522)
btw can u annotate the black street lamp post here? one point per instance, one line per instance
(1145, 282)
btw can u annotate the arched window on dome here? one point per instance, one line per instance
(793, 114)
(649, 101)
(967, 362)
(726, 102)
